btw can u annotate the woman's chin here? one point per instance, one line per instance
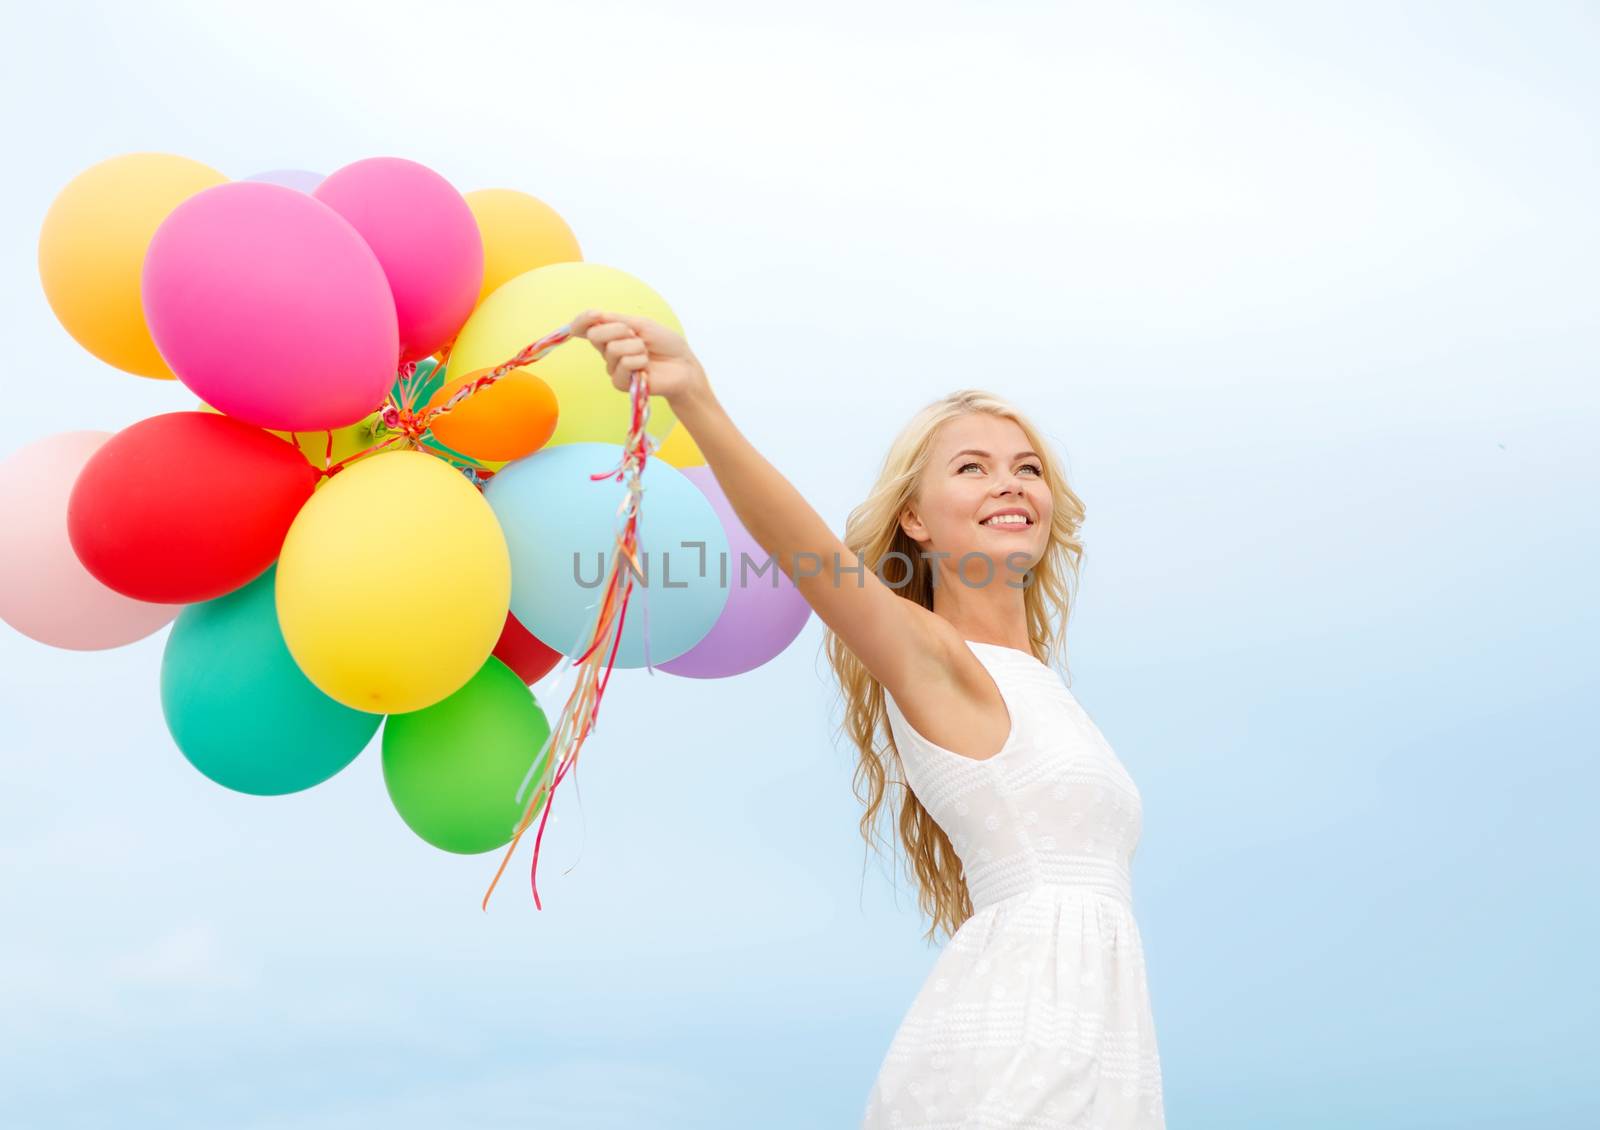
(1006, 563)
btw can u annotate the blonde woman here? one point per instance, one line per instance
(944, 602)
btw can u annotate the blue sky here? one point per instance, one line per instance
(1306, 297)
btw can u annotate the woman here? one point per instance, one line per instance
(1018, 820)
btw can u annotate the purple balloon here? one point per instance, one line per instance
(297, 179)
(760, 618)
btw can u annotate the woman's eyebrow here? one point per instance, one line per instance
(985, 454)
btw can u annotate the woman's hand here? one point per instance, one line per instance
(630, 343)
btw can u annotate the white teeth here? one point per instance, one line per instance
(1006, 520)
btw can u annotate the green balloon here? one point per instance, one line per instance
(427, 380)
(453, 769)
(239, 707)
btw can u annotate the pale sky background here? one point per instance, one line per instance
(1306, 295)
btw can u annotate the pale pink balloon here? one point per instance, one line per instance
(425, 236)
(271, 307)
(45, 592)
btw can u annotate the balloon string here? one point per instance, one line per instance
(581, 706)
(581, 711)
(411, 426)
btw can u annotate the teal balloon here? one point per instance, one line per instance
(425, 381)
(240, 709)
(561, 527)
(453, 769)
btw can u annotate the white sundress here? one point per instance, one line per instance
(1037, 1013)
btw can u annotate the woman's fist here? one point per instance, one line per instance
(630, 343)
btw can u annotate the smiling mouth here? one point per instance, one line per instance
(1024, 525)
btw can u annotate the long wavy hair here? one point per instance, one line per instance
(873, 532)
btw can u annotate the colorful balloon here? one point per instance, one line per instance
(424, 235)
(561, 527)
(45, 592)
(523, 652)
(92, 250)
(240, 709)
(520, 232)
(186, 506)
(764, 613)
(680, 449)
(393, 583)
(325, 448)
(510, 419)
(272, 308)
(428, 379)
(453, 769)
(532, 305)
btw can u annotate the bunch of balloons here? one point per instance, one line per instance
(367, 519)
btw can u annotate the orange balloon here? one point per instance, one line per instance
(520, 232)
(92, 248)
(513, 417)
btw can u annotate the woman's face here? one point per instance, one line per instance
(981, 467)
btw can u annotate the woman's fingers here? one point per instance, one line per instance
(624, 347)
(609, 332)
(623, 369)
(586, 321)
(602, 325)
(619, 341)
(625, 366)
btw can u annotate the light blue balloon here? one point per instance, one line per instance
(561, 528)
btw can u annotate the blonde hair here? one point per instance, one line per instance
(873, 532)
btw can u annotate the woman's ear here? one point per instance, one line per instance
(912, 525)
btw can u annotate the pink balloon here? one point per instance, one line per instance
(45, 592)
(426, 238)
(760, 618)
(271, 307)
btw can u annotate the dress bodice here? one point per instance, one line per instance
(1054, 807)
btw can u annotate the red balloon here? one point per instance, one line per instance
(523, 652)
(187, 506)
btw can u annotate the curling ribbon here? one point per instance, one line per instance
(579, 715)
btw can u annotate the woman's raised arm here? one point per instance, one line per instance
(900, 642)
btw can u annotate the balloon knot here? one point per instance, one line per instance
(404, 421)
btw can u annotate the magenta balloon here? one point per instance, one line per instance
(426, 238)
(45, 592)
(298, 179)
(759, 620)
(271, 307)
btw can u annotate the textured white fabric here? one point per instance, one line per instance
(1036, 1013)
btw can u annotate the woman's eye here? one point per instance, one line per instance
(1034, 467)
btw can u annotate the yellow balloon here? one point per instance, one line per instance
(393, 583)
(92, 248)
(545, 299)
(347, 441)
(680, 449)
(520, 232)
